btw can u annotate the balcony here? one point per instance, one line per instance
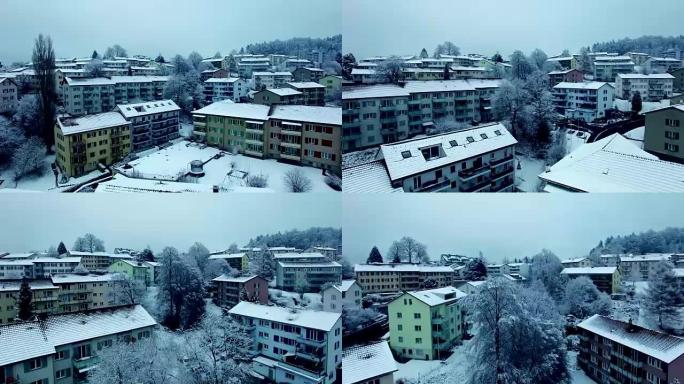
(434, 185)
(504, 185)
(501, 173)
(470, 173)
(311, 342)
(86, 363)
(290, 132)
(494, 163)
(476, 187)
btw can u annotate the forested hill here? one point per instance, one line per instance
(667, 240)
(652, 45)
(297, 46)
(315, 236)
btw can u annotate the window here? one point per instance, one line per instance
(419, 340)
(672, 135)
(35, 364)
(62, 373)
(453, 143)
(651, 378)
(653, 362)
(483, 135)
(672, 123)
(289, 376)
(416, 315)
(401, 339)
(470, 139)
(417, 328)
(398, 315)
(400, 327)
(406, 154)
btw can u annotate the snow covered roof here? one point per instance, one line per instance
(133, 263)
(405, 158)
(27, 340)
(11, 286)
(236, 279)
(363, 71)
(678, 272)
(564, 72)
(305, 85)
(362, 363)
(147, 108)
(72, 125)
(368, 178)
(324, 321)
(91, 81)
(122, 184)
(438, 86)
(139, 79)
(640, 76)
(223, 256)
(374, 91)
(107, 254)
(344, 285)
(589, 271)
(296, 255)
(308, 113)
(679, 107)
(75, 260)
(615, 164)
(574, 260)
(283, 91)
(74, 278)
(258, 73)
(403, 267)
(311, 264)
(438, 296)
(584, 85)
(222, 80)
(647, 257)
(652, 343)
(240, 110)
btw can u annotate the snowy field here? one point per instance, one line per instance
(221, 168)
(647, 106)
(574, 139)
(526, 174)
(44, 182)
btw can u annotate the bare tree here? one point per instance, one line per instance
(410, 250)
(296, 181)
(44, 66)
(126, 291)
(88, 243)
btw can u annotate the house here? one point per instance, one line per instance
(368, 364)
(307, 74)
(426, 324)
(63, 348)
(47, 266)
(337, 297)
(577, 262)
(292, 346)
(475, 159)
(613, 164)
(8, 95)
(267, 80)
(312, 92)
(654, 87)
(619, 352)
(606, 279)
(332, 84)
(214, 73)
(308, 135)
(663, 134)
(565, 76)
(83, 143)
(137, 271)
(586, 101)
(471, 287)
(306, 272)
(366, 76)
(238, 261)
(282, 96)
(641, 267)
(230, 290)
(153, 123)
(224, 88)
(389, 278)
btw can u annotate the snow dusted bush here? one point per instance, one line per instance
(582, 299)
(334, 182)
(95, 68)
(28, 116)
(257, 181)
(296, 181)
(10, 139)
(356, 318)
(29, 158)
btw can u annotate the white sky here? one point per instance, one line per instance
(383, 27)
(149, 27)
(34, 221)
(500, 225)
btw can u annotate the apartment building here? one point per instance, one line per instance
(144, 71)
(606, 279)
(153, 123)
(293, 64)
(423, 74)
(307, 271)
(653, 87)
(16, 269)
(267, 80)
(606, 68)
(389, 278)
(214, 73)
(476, 159)
(585, 101)
(48, 266)
(292, 346)
(44, 298)
(230, 290)
(137, 271)
(307, 135)
(95, 95)
(345, 295)
(678, 82)
(219, 89)
(426, 324)
(641, 267)
(663, 134)
(84, 142)
(63, 348)
(312, 92)
(366, 76)
(508, 269)
(308, 74)
(280, 96)
(98, 261)
(238, 261)
(248, 65)
(662, 64)
(332, 84)
(614, 351)
(565, 76)
(8, 95)
(368, 364)
(577, 262)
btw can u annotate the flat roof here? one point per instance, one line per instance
(320, 320)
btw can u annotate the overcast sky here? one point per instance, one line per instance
(501, 225)
(383, 27)
(149, 27)
(35, 221)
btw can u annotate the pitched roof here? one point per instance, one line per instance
(584, 85)
(589, 271)
(362, 363)
(403, 267)
(147, 108)
(438, 296)
(652, 343)
(369, 177)
(308, 113)
(87, 123)
(234, 279)
(324, 321)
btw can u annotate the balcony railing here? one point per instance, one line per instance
(469, 173)
(504, 185)
(494, 163)
(475, 187)
(434, 185)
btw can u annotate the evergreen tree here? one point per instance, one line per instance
(637, 104)
(664, 295)
(476, 270)
(374, 256)
(25, 301)
(424, 54)
(497, 58)
(447, 72)
(160, 59)
(61, 248)
(146, 255)
(94, 55)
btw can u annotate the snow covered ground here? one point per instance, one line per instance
(578, 376)
(646, 106)
(220, 168)
(574, 139)
(526, 174)
(185, 130)
(453, 370)
(295, 300)
(44, 182)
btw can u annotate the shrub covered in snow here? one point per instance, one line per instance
(29, 158)
(296, 181)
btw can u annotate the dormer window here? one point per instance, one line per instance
(470, 139)
(453, 143)
(498, 133)
(483, 135)
(430, 153)
(406, 154)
